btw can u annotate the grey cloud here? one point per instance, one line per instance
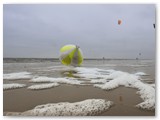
(40, 30)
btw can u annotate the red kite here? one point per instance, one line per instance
(119, 22)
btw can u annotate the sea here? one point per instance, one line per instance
(48, 78)
(43, 66)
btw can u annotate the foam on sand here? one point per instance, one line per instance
(43, 86)
(111, 79)
(17, 76)
(146, 92)
(87, 107)
(103, 79)
(152, 85)
(141, 74)
(91, 73)
(65, 80)
(107, 80)
(98, 81)
(12, 86)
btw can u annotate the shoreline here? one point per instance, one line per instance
(114, 76)
(124, 99)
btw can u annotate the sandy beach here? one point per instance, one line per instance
(124, 99)
(86, 83)
(79, 59)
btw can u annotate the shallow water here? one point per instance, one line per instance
(53, 69)
(124, 98)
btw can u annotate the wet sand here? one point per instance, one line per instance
(125, 99)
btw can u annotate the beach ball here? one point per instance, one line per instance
(71, 55)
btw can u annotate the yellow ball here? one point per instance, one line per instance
(71, 55)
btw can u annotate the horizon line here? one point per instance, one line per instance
(84, 58)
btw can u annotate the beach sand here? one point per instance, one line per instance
(125, 99)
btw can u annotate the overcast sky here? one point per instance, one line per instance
(41, 30)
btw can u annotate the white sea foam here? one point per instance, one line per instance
(110, 79)
(17, 76)
(119, 78)
(138, 65)
(12, 86)
(43, 86)
(98, 81)
(105, 79)
(42, 79)
(147, 94)
(141, 74)
(66, 80)
(91, 73)
(87, 107)
(152, 85)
